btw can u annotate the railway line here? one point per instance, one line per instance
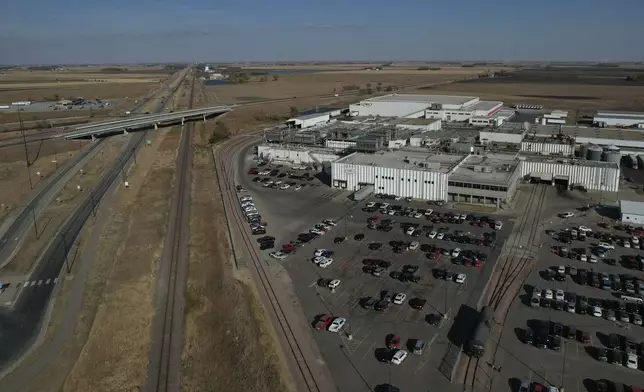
(167, 339)
(224, 161)
(513, 268)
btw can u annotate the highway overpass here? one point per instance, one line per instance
(140, 122)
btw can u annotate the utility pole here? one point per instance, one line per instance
(24, 142)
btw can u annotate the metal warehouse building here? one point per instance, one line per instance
(409, 105)
(631, 211)
(592, 175)
(616, 118)
(404, 173)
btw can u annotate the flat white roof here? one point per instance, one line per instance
(424, 98)
(408, 160)
(484, 105)
(629, 207)
(310, 116)
(602, 113)
(503, 167)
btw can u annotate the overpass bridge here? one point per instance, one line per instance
(140, 122)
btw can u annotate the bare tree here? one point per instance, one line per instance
(276, 78)
(294, 112)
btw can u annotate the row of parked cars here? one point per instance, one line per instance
(432, 215)
(251, 213)
(304, 238)
(603, 385)
(612, 310)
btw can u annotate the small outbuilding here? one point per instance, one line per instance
(631, 212)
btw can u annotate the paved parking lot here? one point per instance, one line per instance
(353, 354)
(574, 367)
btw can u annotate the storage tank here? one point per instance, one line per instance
(612, 156)
(583, 151)
(633, 161)
(594, 153)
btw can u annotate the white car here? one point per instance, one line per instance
(592, 259)
(410, 230)
(391, 212)
(319, 259)
(561, 269)
(248, 204)
(399, 298)
(432, 234)
(397, 198)
(440, 236)
(384, 205)
(462, 216)
(414, 245)
(371, 204)
(635, 241)
(583, 257)
(337, 324)
(316, 231)
(298, 187)
(572, 308)
(585, 229)
(334, 284)
(429, 211)
(549, 294)
(399, 356)
(559, 295)
(319, 252)
(267, 184)
(418, 215)
(250, 211)
(277, 182)
(606, 245)
(277, 255)
(626, 244)
(329, 222)
(631, 361)
(597, 311)
(245, 198)
(285, 186)
(525, 386)
(460, 278)
(567, 214)
(325, 263)
(456, 252)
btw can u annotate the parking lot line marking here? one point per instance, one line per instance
(33, 283)
(337, 297)
(48, 281)
(530, 375)
(313, 284)
(400, 309)
(368, 350)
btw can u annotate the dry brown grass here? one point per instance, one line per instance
(597, 97)
(57, 212)
(115, 355)
(228, 346)
(303, 85)
(14, 180)
(12, 117)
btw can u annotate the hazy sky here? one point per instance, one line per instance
(91, 31)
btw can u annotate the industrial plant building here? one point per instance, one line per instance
(430, 147)
(616, 118)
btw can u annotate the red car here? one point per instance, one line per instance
(393, 341)
(252, 171)
(323, 322)
(374, 219)
(289, 247)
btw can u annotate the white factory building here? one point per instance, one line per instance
(403, 173)
(617, 118)
(442, 107)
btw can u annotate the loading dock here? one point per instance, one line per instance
(541, 178)
(563, 181)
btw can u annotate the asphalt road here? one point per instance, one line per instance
(19, 221)
(21, 324)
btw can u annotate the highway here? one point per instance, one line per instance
(20, 220)
(21, 323)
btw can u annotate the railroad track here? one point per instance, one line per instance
(225, 167)
(513, 265)
(165, 354)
